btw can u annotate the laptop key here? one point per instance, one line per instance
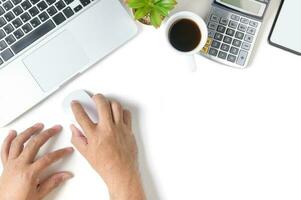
(18, 33)
(18, 10)
(3, 45)
(51, 11)
(8, 28)
(2, 21)
(2, 34)
(68, 12)
(8, 5)
(68, 1)
(49, 2)
(34, 1)
(2, 11)
(85, 2)
(78, 8)
(42, 5)
(9, 16)
(26, 5)
(1, 61)
(10, 39)
(17, 23)
(37, 33)
(35, 22)
(60, 5)
(16, 1)
(26, 28)
(7, 54)
(43, 16)
(33, 11)
(25, 17)
(59, 18)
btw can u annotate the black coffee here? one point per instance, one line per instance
(185, 35)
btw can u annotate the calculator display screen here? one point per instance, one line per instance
(247, 6)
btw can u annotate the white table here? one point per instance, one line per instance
(217, 133)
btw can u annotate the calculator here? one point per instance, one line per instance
(233, 27)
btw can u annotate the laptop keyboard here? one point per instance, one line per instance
(22, 22)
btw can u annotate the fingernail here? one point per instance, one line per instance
(57, 127)
(12, 133)
(38, 125)
(74, 101)
(67, 176)
(70, 149)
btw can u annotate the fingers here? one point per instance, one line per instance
(127, 118)
(78, 140)
(103, 108)
(52, 182)
(82, 117)
(117, 112)
(34, 145)
(50, 158)
(18, 143)
(6, 145)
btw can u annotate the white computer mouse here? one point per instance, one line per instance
(86, 101)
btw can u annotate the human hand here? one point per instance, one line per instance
(20, 179)
(110, 147)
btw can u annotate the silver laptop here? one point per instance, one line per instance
(44, 43)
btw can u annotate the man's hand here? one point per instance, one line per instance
(110, 147)
(20, 179)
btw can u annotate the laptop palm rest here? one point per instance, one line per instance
(53, 63)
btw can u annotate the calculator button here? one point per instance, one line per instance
(222, 55)
(246, 46)
(235, 17)
(212, 26)
(231, 58)
(236, 43)
(249, 38)
(224, 21)
(216, 44)
(242, 57)
(242, 27)
(214, 18)
(233, 24)
(251, 30)
(227, 39)
(221, 29)
(234, 50)
(225, 47)
(239, 35)
(244, 20)
(213, 52)
(218, 36)
(230, 32)
(211, 33)
(254, 24)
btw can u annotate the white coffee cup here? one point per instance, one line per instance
(198, 21)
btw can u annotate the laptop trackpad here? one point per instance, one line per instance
(56, 61)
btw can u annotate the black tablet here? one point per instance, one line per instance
(286, 30)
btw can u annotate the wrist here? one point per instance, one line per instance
(127, 187)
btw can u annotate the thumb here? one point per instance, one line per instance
(78, 139)
(52, 182)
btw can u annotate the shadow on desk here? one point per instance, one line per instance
(148, 181)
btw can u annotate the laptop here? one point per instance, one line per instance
(45, 43)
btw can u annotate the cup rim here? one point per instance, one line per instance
(198, 20)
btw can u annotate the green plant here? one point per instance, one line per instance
(155, 10)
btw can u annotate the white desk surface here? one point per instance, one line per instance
(217, 133)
